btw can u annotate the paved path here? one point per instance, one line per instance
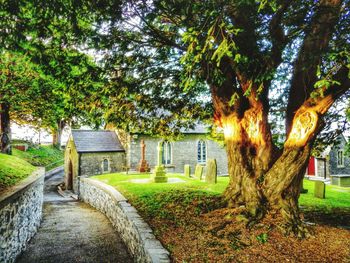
(72, 231)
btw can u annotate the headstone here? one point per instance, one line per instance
(198, 173)
(211, 171)
(159, 174)
(143, 165)
(187, 170)
(320, 189)
(302, 189)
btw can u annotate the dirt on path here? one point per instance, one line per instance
(72, 231)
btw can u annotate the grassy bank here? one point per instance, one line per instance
(44, 155)
(12, 170)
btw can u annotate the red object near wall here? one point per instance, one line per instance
(20, 147)
(311, 166)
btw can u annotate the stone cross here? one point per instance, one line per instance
(143, 166)
(160, 153)
(143, 146)
(159, 173)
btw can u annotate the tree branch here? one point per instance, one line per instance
(278, 38)
(332, 93)
(314, 45)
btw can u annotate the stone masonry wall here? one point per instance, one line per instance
(334, 168)
(184, 151)
(20, 215)
(92, 163)
(136, 234)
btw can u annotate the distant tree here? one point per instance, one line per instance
(21, 82)
(49, 34)
(79, 80)
(246, 54)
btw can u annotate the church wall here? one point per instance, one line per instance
(184, 151)
(334, 168)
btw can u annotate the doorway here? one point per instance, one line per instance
(70, 176)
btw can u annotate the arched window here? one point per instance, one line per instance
(340, 158)
(105, 165)
(201, 151)
(166, 156)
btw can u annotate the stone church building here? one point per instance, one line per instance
(89, 153)
(339, 162)
(194, 148)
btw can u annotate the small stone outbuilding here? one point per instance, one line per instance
(90, 153)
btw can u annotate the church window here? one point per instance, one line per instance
(166, 156)
(105, 165)
(340, 158)
(201, 152)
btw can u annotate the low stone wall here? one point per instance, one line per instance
(20, 215)
(54, 171)
(136, 234)
(342, 180)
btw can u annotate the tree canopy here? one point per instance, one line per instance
(171, 63)
(246, 55)
(46, 41)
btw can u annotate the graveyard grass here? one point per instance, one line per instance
(192, 222)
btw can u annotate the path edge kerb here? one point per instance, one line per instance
(135, 232)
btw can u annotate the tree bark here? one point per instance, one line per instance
(5, 130)
(264, 179)
(264, 184)
(57, 134)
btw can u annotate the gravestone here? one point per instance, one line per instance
(302, 189)
(159, 174)
(320, 189)
(187, 170)
(211, 171)
(198, 173)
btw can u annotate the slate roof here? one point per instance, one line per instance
(198, 129)
(87, 141)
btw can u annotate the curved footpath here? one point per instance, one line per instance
(72, 231)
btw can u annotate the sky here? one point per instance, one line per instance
(27, 132)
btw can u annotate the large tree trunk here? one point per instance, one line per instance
(5, 131)
(263, 179)
(276, 192)
(57, 134)
(281, 186)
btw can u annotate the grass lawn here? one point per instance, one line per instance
(133, 185)
(190, 218)
(13, 169)
(336, 197)
(44, 155)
